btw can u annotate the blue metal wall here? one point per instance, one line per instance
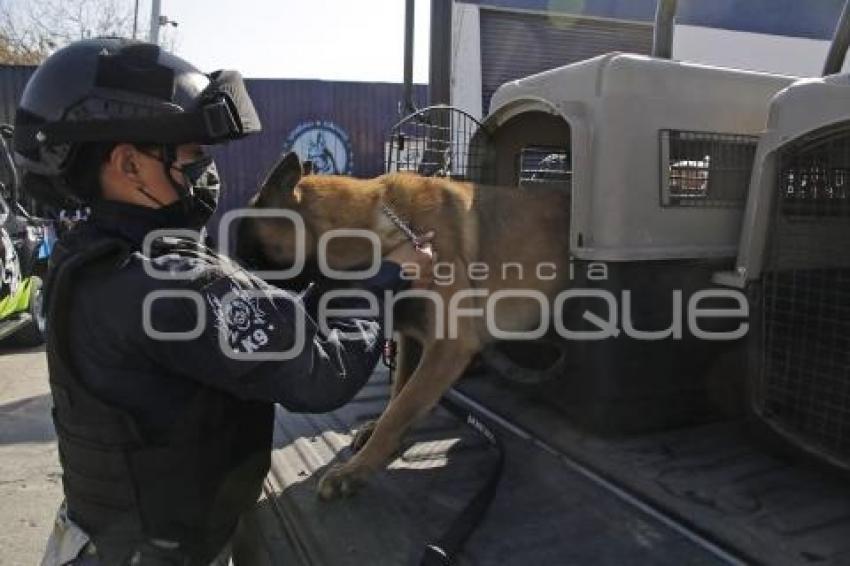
(799, 18)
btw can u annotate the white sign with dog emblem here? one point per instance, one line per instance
(325, 144)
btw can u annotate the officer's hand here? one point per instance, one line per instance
(416, 258)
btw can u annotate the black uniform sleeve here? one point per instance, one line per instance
(262, 343)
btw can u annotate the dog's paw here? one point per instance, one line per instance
(341, 480)
(362, 436)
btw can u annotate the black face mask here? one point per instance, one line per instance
(197, 199)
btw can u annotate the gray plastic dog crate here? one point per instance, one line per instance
(658, 157)
(794, 261)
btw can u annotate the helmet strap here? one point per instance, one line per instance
(147, 193)
(169, 158)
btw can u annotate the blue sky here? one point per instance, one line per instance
(358, 40)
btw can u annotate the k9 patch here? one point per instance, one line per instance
(258, 323)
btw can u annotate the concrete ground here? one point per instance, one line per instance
(30, 480)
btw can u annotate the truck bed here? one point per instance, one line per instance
(704, 495)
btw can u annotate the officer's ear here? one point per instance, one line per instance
(281, 182)
(124, 159)
(119, 167)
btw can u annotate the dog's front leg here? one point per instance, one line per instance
(409, 355)
(442, 364)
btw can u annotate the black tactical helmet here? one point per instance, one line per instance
(117, 90)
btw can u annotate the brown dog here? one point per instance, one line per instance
(488, 240)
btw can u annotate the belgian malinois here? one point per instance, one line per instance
(490, 242)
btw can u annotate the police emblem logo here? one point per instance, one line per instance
(241, 320)
(239, 315)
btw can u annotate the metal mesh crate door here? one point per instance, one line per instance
(803, 387)
(441, 141)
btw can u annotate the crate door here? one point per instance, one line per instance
(441, 141)
(802, 387)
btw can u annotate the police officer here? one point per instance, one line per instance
(164, 356)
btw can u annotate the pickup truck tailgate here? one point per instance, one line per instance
(545, 512)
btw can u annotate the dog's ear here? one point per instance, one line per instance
(283, 177)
